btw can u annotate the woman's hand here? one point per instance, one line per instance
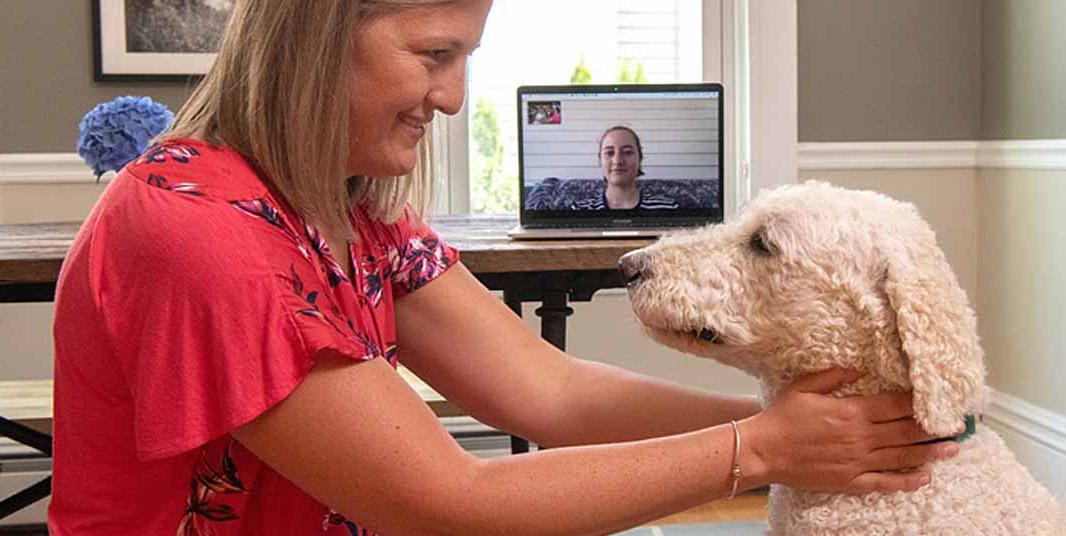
(812, 441)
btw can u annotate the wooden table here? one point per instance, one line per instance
(552, 273)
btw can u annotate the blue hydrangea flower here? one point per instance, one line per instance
(115, 132)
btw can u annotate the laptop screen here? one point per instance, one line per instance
(623, 155)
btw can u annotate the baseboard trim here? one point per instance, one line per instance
(1036, 435)
(1021, 154)
(1029, 420)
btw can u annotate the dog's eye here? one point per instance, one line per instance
(759, 245)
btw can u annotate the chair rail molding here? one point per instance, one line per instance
(46, 168)
(1020, 154)
(1024, 154)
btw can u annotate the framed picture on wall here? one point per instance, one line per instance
(156, 39)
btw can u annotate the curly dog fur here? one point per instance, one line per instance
(813, 276)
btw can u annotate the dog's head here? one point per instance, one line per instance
(813, 276)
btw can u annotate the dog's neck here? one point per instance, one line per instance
(866, 385)
(882, 365)
(870, 345)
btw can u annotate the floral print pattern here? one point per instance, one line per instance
(373, 286)
(188, 188)
(334, 271)
(274, 296)
(264, 209)
(169, 151)
(418, 262)
(395, 260)
(208, 481)
(333, 519)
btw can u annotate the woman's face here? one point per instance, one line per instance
(406, 65)
(619, 158)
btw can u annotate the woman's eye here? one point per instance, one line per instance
(438, 54)
(758, 244)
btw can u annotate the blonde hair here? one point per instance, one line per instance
(275, 94)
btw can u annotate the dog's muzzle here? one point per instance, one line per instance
(633, 267)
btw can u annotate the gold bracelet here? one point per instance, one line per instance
(736, 460)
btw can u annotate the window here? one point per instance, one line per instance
(556, 42)
(747, 45)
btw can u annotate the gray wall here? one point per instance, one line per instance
(889, 70)
(46, 75)
(1024, 77)
(1022, 252)
(869, 70)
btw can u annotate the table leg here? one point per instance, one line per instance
(553, 313)
(514, 300)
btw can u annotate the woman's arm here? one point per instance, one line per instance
(471, 348)
(356, 437)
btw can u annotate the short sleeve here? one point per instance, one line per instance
(416, 253)
(213, 313)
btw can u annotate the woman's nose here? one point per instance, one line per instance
(449, 92)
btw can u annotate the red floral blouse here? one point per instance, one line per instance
(192, 301)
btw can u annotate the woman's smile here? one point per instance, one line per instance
(414, 126)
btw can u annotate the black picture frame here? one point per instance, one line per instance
(114, 62)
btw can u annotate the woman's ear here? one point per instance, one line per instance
(937, 328)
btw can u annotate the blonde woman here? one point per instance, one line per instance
(229, 319)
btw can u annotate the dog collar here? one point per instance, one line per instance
(971, 429)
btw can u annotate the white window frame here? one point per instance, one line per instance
(755, 58)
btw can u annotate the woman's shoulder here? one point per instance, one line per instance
(195, 167)
(185, 201)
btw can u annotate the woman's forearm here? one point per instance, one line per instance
(602, 403)
(598, 488)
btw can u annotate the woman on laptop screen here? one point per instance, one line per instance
(621, 156)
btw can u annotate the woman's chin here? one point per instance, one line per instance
(397, 166)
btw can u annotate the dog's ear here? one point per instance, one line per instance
(936, 326)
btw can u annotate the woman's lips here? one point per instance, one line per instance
(415, 126)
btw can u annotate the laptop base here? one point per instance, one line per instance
(526, 233)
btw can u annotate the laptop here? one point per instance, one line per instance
(610, 161)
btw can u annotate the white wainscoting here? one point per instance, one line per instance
(1037, 436)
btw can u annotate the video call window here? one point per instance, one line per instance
(607, 152)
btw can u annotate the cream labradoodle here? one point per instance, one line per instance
(813, 276)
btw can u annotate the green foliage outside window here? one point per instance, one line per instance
(492, 191)
(630, 74)
(582, 74)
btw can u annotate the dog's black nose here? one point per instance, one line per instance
(633, 267)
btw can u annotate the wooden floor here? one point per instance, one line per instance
(747, 507)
